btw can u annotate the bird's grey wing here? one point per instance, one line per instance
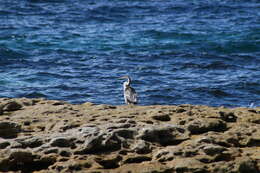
(131, 95)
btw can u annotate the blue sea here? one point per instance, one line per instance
(203, 52)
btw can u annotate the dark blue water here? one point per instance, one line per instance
(177, 51)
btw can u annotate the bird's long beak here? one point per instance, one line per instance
(123, 77)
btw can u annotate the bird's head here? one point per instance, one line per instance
(127, 83)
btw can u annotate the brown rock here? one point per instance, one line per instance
(31, 142)
(61, 142)
(228, 117)
(9, 129)
(247, 165)
(30, 161)
(211, 150)
(137, 159)
(199, 126)
(1, 109)
(188, 165)
(12, 106)
(162, 117)
(108, 163)
(4, 144)
(164, 135)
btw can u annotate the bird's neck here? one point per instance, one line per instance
(126, 85)
(128, 82)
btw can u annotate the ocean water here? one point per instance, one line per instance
(176, 51)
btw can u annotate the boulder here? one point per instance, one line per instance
(188, 165)
(162, 117)
(108, 163)
(211, 149)
(4, 143)
(61, 142)
(141, 147)
(164, 135)
(228, 117)
(1, 109)
(9, 129)
(12, 106)
(199, 126)
(31, 142)
(246, 165)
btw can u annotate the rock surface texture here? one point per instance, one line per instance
(38, 135)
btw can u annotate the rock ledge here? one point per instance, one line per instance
(38, 135)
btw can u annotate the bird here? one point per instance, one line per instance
(130, 95)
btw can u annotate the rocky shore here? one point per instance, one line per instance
(38, 135)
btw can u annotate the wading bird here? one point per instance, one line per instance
(130, 95)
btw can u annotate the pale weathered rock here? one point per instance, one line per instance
(102, 142)
(142, 147)
(211, 150)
